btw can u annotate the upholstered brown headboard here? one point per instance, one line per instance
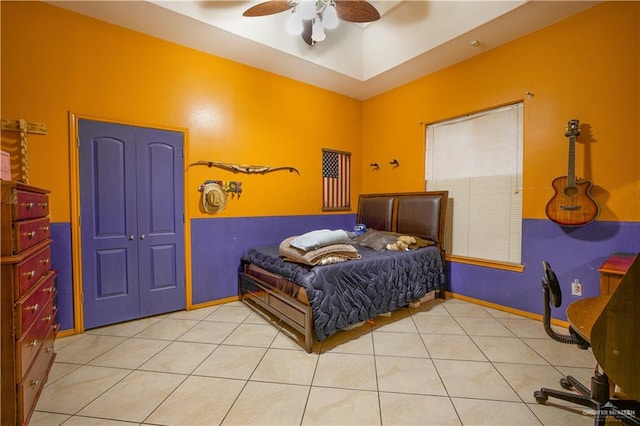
(412, 213)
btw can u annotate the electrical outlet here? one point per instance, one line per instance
(576, 288)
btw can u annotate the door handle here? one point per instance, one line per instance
(142, 237)
(131, 237)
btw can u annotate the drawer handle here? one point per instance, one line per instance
(49, 289)
(30, 274)
(28, 205)
(47, 318)
(49, 349)
(44, 205)
(45, 229)
(35, 382)
(45, 261)
(33, 307)
(34, 343)
(30, 234)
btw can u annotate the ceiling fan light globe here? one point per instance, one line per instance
(307, 9)
(317, 31)
(330, 17)
(294, 24)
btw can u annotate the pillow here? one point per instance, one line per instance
(375, 240)
(321, 238)
(378, 240)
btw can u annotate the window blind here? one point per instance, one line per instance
(478, 159)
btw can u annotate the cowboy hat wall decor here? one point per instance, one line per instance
(214, 198)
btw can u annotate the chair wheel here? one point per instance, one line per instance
(540, 397)
(565, 384)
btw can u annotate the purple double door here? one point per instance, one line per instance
(132, 222)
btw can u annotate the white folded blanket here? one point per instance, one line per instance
(320, 238)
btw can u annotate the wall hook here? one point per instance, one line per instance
(375, 166)
(394, 163)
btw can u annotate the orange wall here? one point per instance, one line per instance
(55, 61)
(585, 67)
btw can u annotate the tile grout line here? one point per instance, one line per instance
(435, 367)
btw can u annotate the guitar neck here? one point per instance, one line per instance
(571, 173)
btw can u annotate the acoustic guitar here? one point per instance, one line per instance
(572, 204)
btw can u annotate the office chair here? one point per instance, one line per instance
(598, 397)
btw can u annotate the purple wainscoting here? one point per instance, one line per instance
(572, 253)
(61, 260)
(217, 244)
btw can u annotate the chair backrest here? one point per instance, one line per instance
(615, 336)
(553, 296)
(550, 283)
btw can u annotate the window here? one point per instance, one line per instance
(336, 184)
(478, 159)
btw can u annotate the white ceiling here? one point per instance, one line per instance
(412, 38)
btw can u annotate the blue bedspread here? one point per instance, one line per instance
(346, 293)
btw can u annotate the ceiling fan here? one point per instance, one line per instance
(309, 18)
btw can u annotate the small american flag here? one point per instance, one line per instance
(335, 180)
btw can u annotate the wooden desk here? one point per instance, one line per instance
(582, 315)
(612, 271)
(615, 334)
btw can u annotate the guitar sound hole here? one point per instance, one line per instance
(571, 191)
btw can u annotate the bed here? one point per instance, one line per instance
(318, 301)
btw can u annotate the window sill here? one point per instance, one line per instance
(485, 263)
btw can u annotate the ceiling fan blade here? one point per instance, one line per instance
(356, 11)
(307, 29)
(268, 8)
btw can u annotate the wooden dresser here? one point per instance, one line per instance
(613, 270)
(27, 300)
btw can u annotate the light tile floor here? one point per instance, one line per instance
(446, 363)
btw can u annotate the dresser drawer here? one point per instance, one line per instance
(31, 305)
(30, 205)
(30, 232)
(30, 345)
(32, 269)
(29, 389)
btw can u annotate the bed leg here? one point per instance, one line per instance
(416, 303)
(308, 332)
(308, 342)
